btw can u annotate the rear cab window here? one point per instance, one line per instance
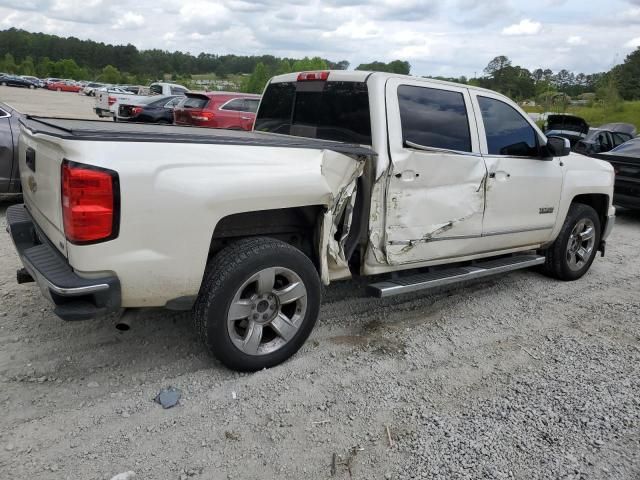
(326, 110)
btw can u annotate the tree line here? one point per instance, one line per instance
(46, 55)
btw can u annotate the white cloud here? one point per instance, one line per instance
(129, 20)
(633, 43)
(576, 40)
(525, 27)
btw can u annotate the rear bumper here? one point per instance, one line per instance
(74, 297)
(101, 112)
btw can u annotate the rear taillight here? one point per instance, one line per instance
(112, 100)
(90, 203)
(310, 76)
(136, 111)
(202, 116)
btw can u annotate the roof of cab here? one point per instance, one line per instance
(363, 76)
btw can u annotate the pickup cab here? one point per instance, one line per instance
(9, 132)
(415, 183)
(108, 99)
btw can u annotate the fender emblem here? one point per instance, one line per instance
(544, 210)
(33, 185)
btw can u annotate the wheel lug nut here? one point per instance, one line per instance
(255, 316)
(265, 316)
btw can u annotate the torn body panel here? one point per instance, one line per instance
(342, 176)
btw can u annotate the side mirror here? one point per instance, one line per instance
(558, 146)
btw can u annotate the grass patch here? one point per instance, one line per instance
(628, 112)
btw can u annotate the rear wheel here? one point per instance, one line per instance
(4, 84)
(258, 303)
(573, 252)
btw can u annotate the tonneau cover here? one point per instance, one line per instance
(96, 130)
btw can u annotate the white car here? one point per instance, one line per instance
(346, 174)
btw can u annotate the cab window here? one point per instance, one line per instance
(435, 118)
(508, 133)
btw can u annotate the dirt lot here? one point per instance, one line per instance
(49, 103)
(515, 377)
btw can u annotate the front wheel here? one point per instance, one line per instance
(258, 303)
(573, 252)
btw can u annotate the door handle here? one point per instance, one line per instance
(407, 175)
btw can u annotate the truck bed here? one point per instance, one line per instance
(96, 130)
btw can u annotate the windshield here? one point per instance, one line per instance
(336, 111)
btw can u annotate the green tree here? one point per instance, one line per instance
(43, 67)
(9, 64)
(256, 82)
(309, 64)
(627, 76)
(396, 66)
(27, 67)
(110, 74)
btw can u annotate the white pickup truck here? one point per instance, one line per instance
(108, 99)
(418, 182)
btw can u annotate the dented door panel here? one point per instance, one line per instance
(434, 203)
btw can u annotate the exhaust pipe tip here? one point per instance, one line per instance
(123, 324)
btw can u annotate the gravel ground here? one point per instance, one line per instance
(514, 377)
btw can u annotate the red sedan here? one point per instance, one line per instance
(235, 111)
(64, 87)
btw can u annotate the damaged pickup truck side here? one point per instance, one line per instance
(419, 182)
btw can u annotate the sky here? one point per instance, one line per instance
(445, 37)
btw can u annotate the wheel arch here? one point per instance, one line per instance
(297, 226)
(599, 202)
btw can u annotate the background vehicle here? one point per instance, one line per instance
(346, 173)
(16, 81)
(625, 159)
(154, 109)
(217, 110)
(90, 88)
(605, 138)
(35, 80)
(9, 132)
(64, 86)
(108, 100)
(570, 127)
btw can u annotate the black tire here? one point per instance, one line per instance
(225, 276)
(557, 264)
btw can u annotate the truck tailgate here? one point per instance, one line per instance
(40, 163)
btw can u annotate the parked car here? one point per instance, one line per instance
(347, 173)
(571, 127)
(90, 88)
(64, 86)
(35, 80)
(153, 109)
(16, 81)
(9, 133)
(235, 111)
(108, 100)
(47, 81)
(625, 159)
(605, 138)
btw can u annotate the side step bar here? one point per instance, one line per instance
(449, 276)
